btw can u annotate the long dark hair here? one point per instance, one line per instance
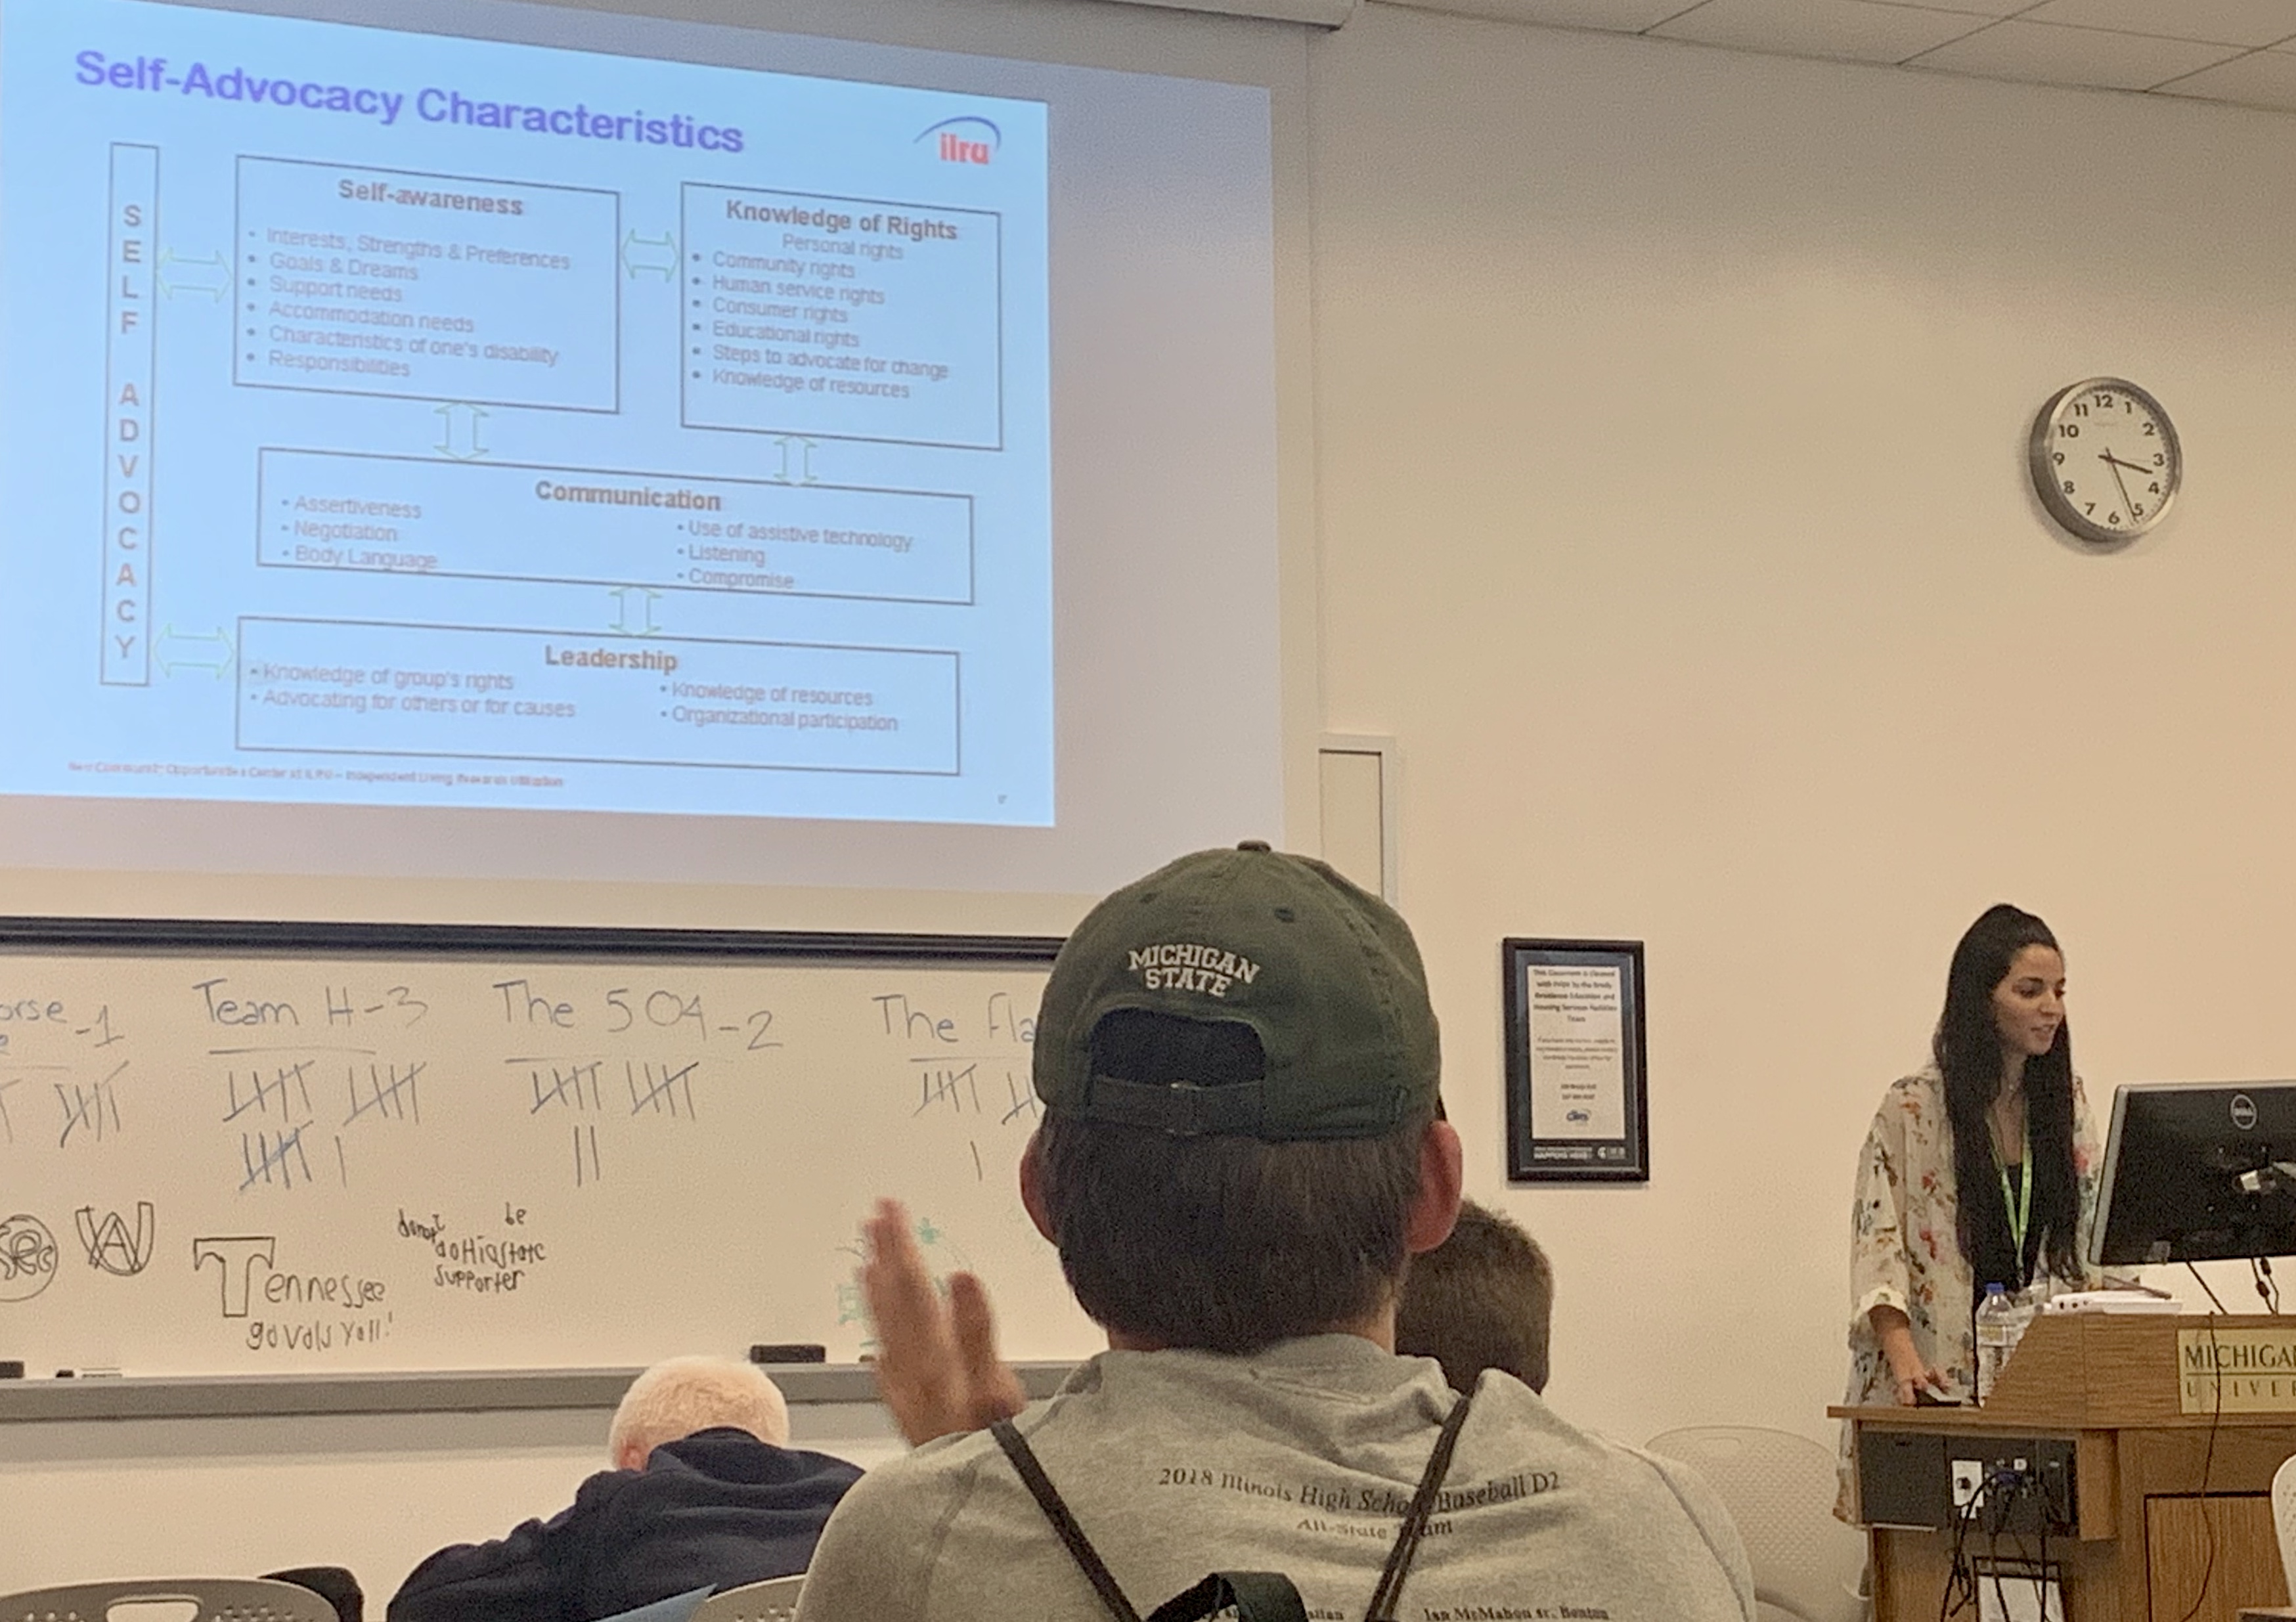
(1967, 1047)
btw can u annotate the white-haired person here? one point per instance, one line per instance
(705, 1490)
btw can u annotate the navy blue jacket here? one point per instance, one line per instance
(718, 1507)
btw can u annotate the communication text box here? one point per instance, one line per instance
(345, 510)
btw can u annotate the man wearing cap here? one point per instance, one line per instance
(1242, 1146)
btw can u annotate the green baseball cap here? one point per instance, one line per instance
(1325, 974)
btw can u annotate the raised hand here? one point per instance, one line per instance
(937, 1370)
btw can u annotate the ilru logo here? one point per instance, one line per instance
(966, 139)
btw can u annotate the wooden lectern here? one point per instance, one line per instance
(2150, 1525)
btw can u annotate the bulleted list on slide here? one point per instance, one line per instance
(434, 286)
(835, 313)
(440, 516)
(479, 693)
(489, 424)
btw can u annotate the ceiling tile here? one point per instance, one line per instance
(2041, 53)
(2262, 78)
(2231, 22)
(1844, 30)
(1626, 16)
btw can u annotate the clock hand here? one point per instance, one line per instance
(2117, 462)
(2107, 459)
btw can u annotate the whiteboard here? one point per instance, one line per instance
(297, 1148)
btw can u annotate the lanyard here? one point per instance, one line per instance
(2020, 1210)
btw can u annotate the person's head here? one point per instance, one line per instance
(677, 1398)
(1241, 1140)
(1481, 1300)
(2005, 1021)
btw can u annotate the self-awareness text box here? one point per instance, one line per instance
(439, 287)
(842, 316)
(468, 693)
(494, 520)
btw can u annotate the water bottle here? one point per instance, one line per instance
(2027, 1305)
(1997, 1328)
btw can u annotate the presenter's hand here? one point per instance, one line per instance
(937, 1370)
(1911, 1376)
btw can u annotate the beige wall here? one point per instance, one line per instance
(1670, 418)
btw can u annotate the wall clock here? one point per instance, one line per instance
(2105, 461)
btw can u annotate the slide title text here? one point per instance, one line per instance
(431, 104)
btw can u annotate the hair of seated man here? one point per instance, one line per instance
(1484, 1299)
(681, 1396)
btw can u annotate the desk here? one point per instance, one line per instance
(2150, 1525)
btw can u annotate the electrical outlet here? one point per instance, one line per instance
(1968, 1483)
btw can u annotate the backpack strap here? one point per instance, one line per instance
(1385, 1598)
(1040, 1488)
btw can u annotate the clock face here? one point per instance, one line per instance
(2105, 461)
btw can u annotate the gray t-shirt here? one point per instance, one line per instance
(1302, 1460)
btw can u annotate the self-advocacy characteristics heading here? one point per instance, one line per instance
(430, 104)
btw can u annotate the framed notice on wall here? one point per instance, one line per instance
(1577, 1103)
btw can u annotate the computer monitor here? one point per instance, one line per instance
(2198, 1171)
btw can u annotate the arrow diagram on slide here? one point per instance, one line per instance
(654, 254)
(805, 448)
(462, 441)
(208, 276)
(621, 597)
(208, 651)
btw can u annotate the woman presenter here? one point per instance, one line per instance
(1981, 1168)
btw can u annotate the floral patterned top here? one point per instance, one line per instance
(1905, 1246)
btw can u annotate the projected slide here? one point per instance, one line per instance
(406, 420)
